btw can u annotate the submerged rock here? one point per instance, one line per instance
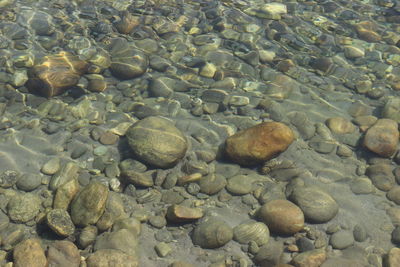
(259, 143)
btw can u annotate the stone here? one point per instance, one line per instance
(23, 207)
(55, 74)
(87, 236)
(163, 249)
(29, 253)
(89, 204)
(381, 176)
(157, 141)
(340, 125)
(352, 52)
(312, 258)
(179, 214)
(111, 257)
(127, 23)
(29, 182)
(67, 173)
(282, 217)
(60, 222)
(382, 138)
(127, 62)
(239, 185)
(393, 257)
(137, 178)
(341, 239)
(212, 233)
(317, 205)
(212, 183)
(65, 194)
(122, 239)
(63, 253)
(394, 194)
(251, 231)
(259, 143)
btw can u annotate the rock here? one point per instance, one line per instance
(67, 173)
(157, 141)
(11, 235)
(89, 204)
(270, 254)
(87, 236)
(60, 222)
(181, 264)
(63, 254)
(366, 31)
(382, 138)
(127, 22)
(137, 178)
(341, 239)
(212, 183)
(23, 207)
(179, 214)
(127, 62)
(111, 257)
(29, 253)
(163, 249)
(212, 233)
(352, 52)
(312, 258)
(394, 195)
(239, 185)
(96, 83)
(282, 216)
(340, 125)
(381, 176)
(393, 257)
(123, 240)
(362, 186)
(65, 194)
(317, 206)
(29, 182)
(251, 231)
(259, 143)
(55, 74)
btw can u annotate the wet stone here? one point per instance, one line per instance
(28, 182)
(65, 194)
(359, 233)
(212, 183)
(138, 178)
(239, 185)
(382, 138)
(317, 205)
(251, 231)
(179, 213)
(60, 222)
(361, 186)
(122, 239)
(394, 194)
(341, 239)
(87, 236)
(63, 253)
(89, 204)
(340, 125)
(312, 258)
(29, 253)
(51, 166)
(157, 141)
(381, 176)
(282, 217)
(108, 257)
(9, 178)
(157, 221)
(23, 207)
(393, 257)
(212, 233)
(259, 143)
(163, 249)
(67, 172)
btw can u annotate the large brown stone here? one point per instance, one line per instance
(29, 253)
(282, 217)
(382, 138)
(259, 143)
(56, 73)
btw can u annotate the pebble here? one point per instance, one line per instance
(360, 233)
(394, 194)
(109, 257)
(60, 222)
(122, 239)
(212, 183)
(179, 214)
(362, 186)
(341, 239)
(163, 249)
(251, 231)
(282, 217)
(381, 176)
(212, 233)
(382, 138)
(239, 185)
(259, 143)
(65, 194)
(317, 205)
(23, 207)
(87, 236)
(29, 182)
(393, 257)
(89, 204)
(63, 253)
(340, 125)
(151, 137)
(311, 258)
(29, 253)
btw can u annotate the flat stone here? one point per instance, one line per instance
(341, 239)
(259, 143)
(212, 233)
(23, 207)
(312, 258)
(340, 125)
(179, 213)
(122, 239)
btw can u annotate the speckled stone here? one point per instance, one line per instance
(29, 253)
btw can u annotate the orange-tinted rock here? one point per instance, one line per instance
(367, 31)
(55, 74)
(282, 216)
(179, 213)
(29, 253)
(259, 143)
(382, 138)
(127, 23)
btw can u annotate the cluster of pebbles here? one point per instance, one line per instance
(199, 133)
